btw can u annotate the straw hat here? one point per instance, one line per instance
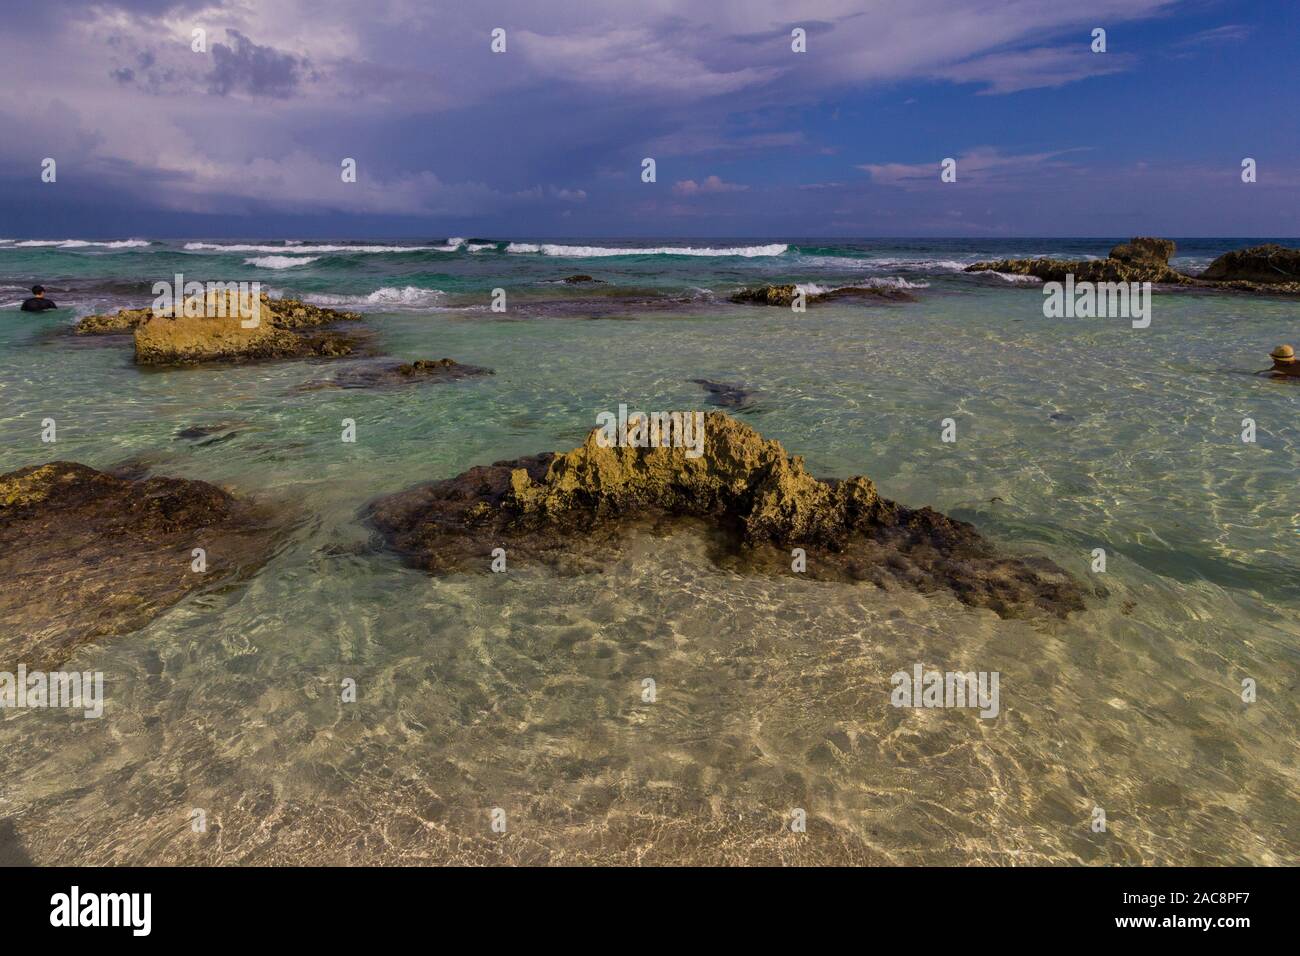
(1283, 353)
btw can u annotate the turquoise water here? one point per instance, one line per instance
(524, 691)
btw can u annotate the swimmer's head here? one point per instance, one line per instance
(38, 290)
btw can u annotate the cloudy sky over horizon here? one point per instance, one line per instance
(750, 138)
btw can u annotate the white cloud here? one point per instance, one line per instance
(710, 184)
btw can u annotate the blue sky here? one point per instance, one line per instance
(749, 138)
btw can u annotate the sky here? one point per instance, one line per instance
(246, 137)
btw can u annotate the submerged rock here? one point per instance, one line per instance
(575, 279)
(725, 394)
(757, 500)
(387, 374)
(86, 554)
(783, 295)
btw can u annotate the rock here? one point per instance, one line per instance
(767, 295)
(279, 313)
(783, 295)
(1085, 270)
(185, 341)
(110, 323)
(214, 434)
(574, 279)
(1268, 264)
(1144, 250)
(86, 554)
(1141, 259)
(746, 491)
(380, 374)
(725, 394)
(1268, 269)
(220, 335)
(875, 293)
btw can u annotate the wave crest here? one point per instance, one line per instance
(595, 252)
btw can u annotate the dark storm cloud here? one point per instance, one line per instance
(247, 67)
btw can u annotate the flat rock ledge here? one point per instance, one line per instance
(756, 502)
(86, 555)
(1268, 269)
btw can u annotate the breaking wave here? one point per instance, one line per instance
(279, 262)
(73, 243)
(593, 252)
(408, 297)
(244, 247)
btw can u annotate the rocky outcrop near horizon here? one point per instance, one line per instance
(1268, 269)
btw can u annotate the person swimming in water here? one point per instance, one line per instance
(38, 302)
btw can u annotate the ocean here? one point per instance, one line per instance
(524, 691)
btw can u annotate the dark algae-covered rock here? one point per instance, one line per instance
(745, 490)
(1141, 259)
(386, 374)
(726, 394)
(1268, 264)
(1268, 269)
(87, 554)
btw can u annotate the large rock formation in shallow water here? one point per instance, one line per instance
(1268, 264)
(1268, 269)
(755, 500)
(1141, 259)
(86, 554)
(280, 313)
(212, 329)
(164, 340)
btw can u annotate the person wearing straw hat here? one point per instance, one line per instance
(1284, 361)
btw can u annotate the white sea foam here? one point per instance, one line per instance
(480, 246)
(244, 247)
(76, 243)
(593, 252)
(1012, 277)
(279, 262)
(408, 297)
(879, 282)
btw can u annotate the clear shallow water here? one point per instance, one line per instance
(523, 691)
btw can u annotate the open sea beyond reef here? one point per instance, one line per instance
(523, 690)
